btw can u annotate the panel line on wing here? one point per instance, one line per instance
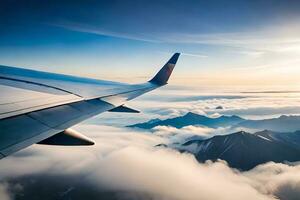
(32, 108)
(39, 84)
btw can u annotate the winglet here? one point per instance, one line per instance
(162, 77)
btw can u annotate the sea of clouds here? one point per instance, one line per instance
(126, 163)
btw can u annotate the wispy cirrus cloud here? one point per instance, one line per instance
(252, 43)
(105, 32)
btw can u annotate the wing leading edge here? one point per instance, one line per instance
(46, 115)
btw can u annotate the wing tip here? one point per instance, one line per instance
(162, 77)
(174, 58)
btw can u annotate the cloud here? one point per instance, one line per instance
(194, 55)
(183, 134)
(257, 43)
(125, 165)
(261, 40)
(252, 54)
(4, 194)
(177, 136)
(104, 32)
(281, 180)
(259, 105)
(172, 175)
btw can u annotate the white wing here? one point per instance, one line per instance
(37, 105)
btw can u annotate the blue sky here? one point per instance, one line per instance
(249, 43)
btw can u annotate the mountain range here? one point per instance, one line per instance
(191, 119)
(283, 123)
(279, 141)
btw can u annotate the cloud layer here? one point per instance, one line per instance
(124, 164)
(171, 103)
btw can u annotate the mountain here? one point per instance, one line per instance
(192, 119)
(283, 123)
(244, 150)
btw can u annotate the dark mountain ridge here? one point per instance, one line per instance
(244, 150)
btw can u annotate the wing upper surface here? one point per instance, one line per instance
(32, 110)
(83, 87)
(29, 90)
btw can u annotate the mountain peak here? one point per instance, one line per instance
(242, 132)
(192, 114)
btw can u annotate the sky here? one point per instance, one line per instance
(224, 44)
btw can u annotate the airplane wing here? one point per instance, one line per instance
(40, 107)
